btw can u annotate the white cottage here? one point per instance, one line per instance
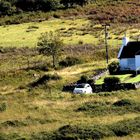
(129, 55)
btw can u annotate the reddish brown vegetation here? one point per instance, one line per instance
(119, 12)
(122, 13)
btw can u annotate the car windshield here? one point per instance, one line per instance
(80, 86)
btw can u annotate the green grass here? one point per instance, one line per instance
(38, 110)
(21, 36)
(30, 111)
(71, 31)
(134, 80)
(122, 78)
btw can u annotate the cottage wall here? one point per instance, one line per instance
(127, 64)
(137, 61)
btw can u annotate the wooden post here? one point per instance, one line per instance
(106, 42)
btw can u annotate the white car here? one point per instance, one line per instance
(82, 89)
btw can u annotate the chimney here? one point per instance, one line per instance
(125, 41)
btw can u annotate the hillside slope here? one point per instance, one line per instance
(126, 11)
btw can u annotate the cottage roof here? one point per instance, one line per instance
(130, 50)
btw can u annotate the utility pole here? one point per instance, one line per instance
(106, 42)
(138, 38)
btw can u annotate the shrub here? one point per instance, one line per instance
(2, 107)
(40, 67)
(126, 127)
(83, 79)
(113, 67)
(124, 102)
(102, 108)
(69, 87)
(91, 82)
(126, 105)
(74, 132)
(33, 27)
(77, 132)
(111, 81)
(90, 106)
(13, 123)
(70, 61)
(43, 79)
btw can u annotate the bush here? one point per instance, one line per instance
(124, 102)
(84, 132)
(69, 87)
(113, 67)
(43, 79)
(40, 67)
(111, 81)
(91, 82)
(90, 106)
(83, 79)
(77, 132)
(13, 123)
(102, 108)
(2, 107)
(70, 61)
(126, 127)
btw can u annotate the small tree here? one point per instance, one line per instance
(114, 67)
(50, 44)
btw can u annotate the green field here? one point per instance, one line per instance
(74, 31)
(26, 35)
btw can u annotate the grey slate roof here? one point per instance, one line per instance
(130, 50)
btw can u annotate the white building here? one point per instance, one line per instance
(129, 55)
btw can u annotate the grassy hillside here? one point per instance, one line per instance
(30, 112)
(25, 111)
(43, 111)
(32, 108)
(101, 11)
(79, 25)
(76, 31)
